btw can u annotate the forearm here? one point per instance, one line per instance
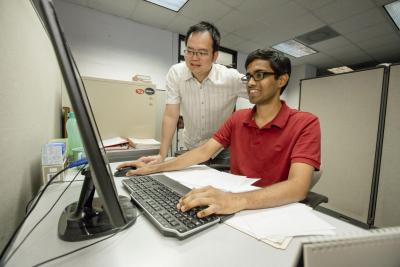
(272, 196)
(169, 123)
(195, 156)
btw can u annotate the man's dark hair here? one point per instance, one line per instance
(205, 26)
(280, 64)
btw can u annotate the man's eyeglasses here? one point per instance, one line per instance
(258, 76)
(192, 53)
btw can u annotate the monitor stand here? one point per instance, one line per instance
(86, 218)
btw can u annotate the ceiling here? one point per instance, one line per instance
(367, 36)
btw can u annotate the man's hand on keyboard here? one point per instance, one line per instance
(218, 202)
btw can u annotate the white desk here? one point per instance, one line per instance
(143, 245)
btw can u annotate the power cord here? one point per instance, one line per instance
(83, 247)
(12, 239)
(74, 164)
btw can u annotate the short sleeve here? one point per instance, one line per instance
(308, 146)
(224, 133)
(238, 84)
(172, 86)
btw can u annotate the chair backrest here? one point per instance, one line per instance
(316, 177)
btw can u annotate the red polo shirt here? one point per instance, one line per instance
(267, 152)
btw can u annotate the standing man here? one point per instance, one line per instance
(271, 141)
(204, 92)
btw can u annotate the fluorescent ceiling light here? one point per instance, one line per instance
(393, 9)
(174, 5)
(342, 69)
(294, 48)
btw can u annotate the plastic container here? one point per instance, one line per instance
(74, 138)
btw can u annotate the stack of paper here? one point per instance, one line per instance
(201, 175)
(277, 226)
(139, 143)
(116, 143)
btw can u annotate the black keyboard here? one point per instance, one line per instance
(157, 196)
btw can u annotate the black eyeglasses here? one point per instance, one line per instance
(258, 76)
(192, 53)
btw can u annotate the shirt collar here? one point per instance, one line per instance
(279, 121)
(212, 75)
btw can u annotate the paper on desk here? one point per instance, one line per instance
(275, 225)
(114, 141)
(200, 176)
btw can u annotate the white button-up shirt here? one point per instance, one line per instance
(204, 106)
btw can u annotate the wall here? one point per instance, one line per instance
(110, 47)
(292, 92)
(30, 114)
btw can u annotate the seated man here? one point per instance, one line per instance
(271, 141)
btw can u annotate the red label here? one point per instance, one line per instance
(139, 91)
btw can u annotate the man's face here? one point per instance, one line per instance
(267, 88)
(200, 62)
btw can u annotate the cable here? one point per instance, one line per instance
(71, 165)
(29, 212)
(81, 248)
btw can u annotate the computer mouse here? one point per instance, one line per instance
(122, 172)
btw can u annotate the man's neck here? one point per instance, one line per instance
(200, 78)
(265, 113)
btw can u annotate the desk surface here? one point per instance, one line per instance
(142, 245)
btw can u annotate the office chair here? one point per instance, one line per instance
(314, 199)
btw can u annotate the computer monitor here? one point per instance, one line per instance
(83, 219)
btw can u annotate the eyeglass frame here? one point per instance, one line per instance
(246, 78)
(192, 53)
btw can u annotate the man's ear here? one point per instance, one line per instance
(283, 79)
(215, 56)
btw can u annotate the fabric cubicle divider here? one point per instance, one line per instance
(349, 107)
(387, 206)
(122, 108)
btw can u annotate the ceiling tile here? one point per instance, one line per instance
(360, 21)
(181, 24)
(229, 22)
(330, 44)
(382, 40)
(160, 18)
(319, 59)
(257, 8)
(313, 4)
(232, 3)
(251, 31)
(208, 10)
(248, 47)
(341, 9)
(121, 8)
(231, 40)
(290, 10)
(370, 32)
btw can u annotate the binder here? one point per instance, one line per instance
(379, 247)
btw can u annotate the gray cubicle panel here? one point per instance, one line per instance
(388, 207)
(122, 108)
(348, 107)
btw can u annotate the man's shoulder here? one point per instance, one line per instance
(304, 116)
(225, 70)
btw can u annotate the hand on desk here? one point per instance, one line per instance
(218, 202)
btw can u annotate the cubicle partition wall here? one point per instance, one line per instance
(349, 107)
(388, 198)
(123, 108)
